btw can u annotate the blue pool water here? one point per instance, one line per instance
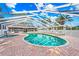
(44, 40)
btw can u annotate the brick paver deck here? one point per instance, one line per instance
(17, 47)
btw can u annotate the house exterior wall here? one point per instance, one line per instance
(3, 28)
(20, 29)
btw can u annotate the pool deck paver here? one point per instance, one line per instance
(17, 47)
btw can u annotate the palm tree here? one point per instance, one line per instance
(52, 23)
(63, 18)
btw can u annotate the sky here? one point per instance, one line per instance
(16, 7)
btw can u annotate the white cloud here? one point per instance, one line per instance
(24, 11)
(14, 11)
(77, 7)
(11, 5)
(50, 7)
(71, 8)
(42, 14)
(71, 15)
(40, 4)
(53, 18)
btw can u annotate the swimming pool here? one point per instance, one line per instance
(44, 40)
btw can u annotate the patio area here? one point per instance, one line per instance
(17, 47)
(45, 18)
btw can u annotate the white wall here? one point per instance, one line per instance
(2, 30)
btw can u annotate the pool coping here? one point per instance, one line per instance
(67, 42)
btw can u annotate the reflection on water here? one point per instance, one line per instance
(45, 40)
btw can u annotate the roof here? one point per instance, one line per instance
(41, 11)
